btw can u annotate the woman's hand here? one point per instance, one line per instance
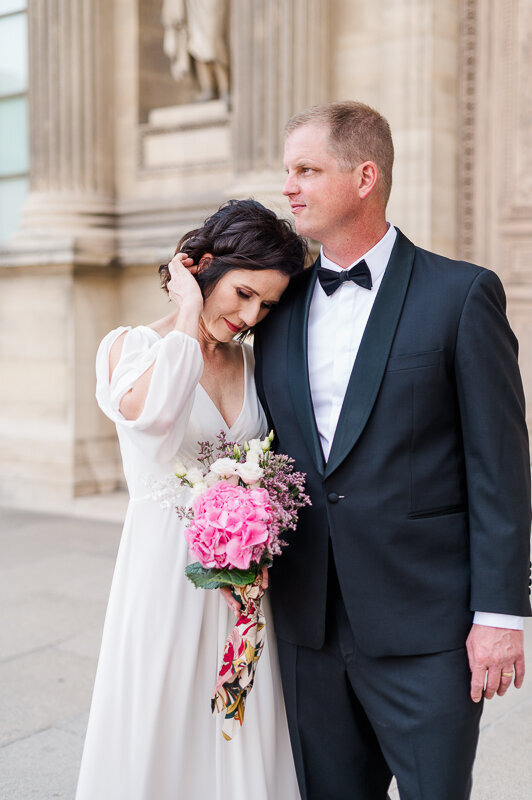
(183, 288)
(233, 604)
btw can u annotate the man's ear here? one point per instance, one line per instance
(368, 175)
(204, 261)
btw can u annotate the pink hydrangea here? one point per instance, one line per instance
(230, 526)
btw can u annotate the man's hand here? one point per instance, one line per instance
(497, 652)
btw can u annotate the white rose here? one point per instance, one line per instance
(224, 467)
(194, 474)
(250, 472)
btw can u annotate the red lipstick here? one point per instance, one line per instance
(232, 328)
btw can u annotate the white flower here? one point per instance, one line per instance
(267, 442)
(199, 487)
(224, 467)
(249, 472)
(211, 478)
(254, 448)
(194, 475)
(180, 470)
(252, 457)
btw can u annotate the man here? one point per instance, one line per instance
(390, 375)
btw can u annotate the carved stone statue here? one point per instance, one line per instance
(195, 41)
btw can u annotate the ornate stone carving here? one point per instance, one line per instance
(195, 41)
(466, 161)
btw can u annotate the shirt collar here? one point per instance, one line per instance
(377, 258)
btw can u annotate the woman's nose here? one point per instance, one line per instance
(250, 315)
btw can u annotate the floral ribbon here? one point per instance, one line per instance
(242, 651)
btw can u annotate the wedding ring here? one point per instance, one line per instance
(507, 674)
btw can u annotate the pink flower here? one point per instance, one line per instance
(230, 526)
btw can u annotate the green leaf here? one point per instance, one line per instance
(217, 578)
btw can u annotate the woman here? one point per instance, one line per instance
(167, 386)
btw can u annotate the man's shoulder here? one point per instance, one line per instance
(451, 269)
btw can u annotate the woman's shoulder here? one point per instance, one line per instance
(137, 332)
(139, 338)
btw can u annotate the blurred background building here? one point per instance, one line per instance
(124, 124)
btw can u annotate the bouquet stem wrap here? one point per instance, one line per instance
(241, 653)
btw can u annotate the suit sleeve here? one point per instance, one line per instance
(495, 440)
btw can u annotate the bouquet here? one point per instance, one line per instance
(245, 499)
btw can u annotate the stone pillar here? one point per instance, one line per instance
(279, 66)
(70, 204)
(56, 301)
(496, 155)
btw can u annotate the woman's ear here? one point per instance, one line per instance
(204, 261)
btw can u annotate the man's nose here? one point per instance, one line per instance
(289, 185)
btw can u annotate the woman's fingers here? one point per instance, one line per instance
(265, 578)
(180, 260)
(233, 604)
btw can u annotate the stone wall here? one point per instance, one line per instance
(123, 163)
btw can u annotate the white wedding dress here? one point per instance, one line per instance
(151, 735)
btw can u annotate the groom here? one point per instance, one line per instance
(390, 375)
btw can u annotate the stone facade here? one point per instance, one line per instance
(123, 162)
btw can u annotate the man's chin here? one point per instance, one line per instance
(301, 228)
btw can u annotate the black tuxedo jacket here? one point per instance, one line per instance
(425, 497)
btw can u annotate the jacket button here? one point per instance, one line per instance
(332, 497)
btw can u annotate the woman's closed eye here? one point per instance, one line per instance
(267, 305)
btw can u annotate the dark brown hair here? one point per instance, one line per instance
(242, 234)
(357, 133)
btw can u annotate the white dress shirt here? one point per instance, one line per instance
(335, 328)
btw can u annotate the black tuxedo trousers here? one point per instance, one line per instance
(424, 501)
(356, 720)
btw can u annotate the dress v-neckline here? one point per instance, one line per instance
(206, 393)
(244, 400)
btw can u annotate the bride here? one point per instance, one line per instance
(167, 386)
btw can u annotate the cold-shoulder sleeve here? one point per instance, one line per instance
(176, 374)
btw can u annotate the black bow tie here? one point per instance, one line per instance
(330, 280)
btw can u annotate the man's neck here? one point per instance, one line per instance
(352, 245)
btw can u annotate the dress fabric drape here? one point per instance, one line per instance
(150, 734)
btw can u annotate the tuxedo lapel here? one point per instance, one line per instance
(368, 370)
(297, 363)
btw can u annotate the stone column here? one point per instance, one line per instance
(279, 66)
(70, 204)
(56, 301)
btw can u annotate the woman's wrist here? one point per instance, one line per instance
(188, 317)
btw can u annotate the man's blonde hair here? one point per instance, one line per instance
(357, 133)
